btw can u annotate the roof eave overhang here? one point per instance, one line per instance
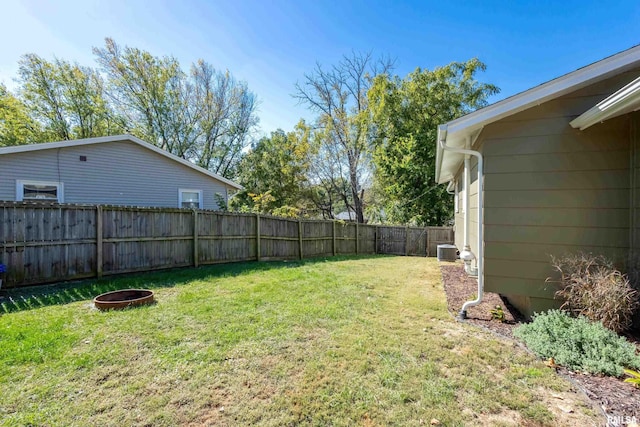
(442, 136)
(117, 138)
(458, 130)
(448, 162)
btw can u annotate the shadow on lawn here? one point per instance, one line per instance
(32, 297)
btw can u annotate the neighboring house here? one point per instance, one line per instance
(346, 216)
(561, 175)
(112, 170)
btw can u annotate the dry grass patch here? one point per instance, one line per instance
(352, 341)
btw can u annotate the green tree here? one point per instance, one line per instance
(327, 197)
(406, 113)
(68, 100)
(274, 173)
(344, 128)
(16, 127)
(205, 116)
(225, 112)
(150, 92)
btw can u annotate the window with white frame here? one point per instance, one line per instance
(190, 199)
(43, 191)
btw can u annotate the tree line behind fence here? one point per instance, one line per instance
(48, 243)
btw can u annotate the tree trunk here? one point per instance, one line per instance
(357, 200)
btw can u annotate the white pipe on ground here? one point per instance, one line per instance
(480, 256)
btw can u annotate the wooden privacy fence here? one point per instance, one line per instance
(47, 243)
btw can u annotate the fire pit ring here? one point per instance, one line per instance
(123, 298)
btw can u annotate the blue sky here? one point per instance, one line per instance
(272, 44)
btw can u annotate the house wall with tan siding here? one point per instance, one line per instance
(473, 208)
(553, 190)
(634, 217)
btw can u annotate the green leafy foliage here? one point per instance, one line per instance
(16, 126)
(221, 201)
(634, 377)
(578, 343)
(204, 115)
(594, 288)
(344, 129)
(149, 90)
(274, 173)
(497, 313)
(370, 150)
(406, 113)
(68, 100)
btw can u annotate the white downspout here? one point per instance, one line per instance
(466, 255)
(467, 214)
(451, 187)
(480, 249)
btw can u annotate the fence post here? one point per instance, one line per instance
(428, 240)
(357, 240)
(334, 238)
(406, 241)
(257, 237)
(300, 238)
(196, 255)
(99, 248)
(375, 241)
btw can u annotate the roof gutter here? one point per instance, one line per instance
(623, 101)
(442, 143)
(116, 138)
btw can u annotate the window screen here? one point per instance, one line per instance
(191, 199)
(40, 192)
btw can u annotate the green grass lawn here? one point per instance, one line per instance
(348, 341)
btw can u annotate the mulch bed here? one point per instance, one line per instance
(616, 398)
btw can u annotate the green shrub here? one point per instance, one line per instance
(592, 287)
(497, 313)
(578, 344)
(634, 377)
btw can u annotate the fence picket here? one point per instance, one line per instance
(43, 243)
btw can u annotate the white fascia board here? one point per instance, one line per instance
(447, 163)
(62, 144)
(545, 92)
(441, 136)
(116, 138)
(622, 102)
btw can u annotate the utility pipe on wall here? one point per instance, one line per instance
(466, 183)
(480, 256)
(466, 255)
(451, 187)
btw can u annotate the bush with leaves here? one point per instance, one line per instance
(591, 286)
(578, 343)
